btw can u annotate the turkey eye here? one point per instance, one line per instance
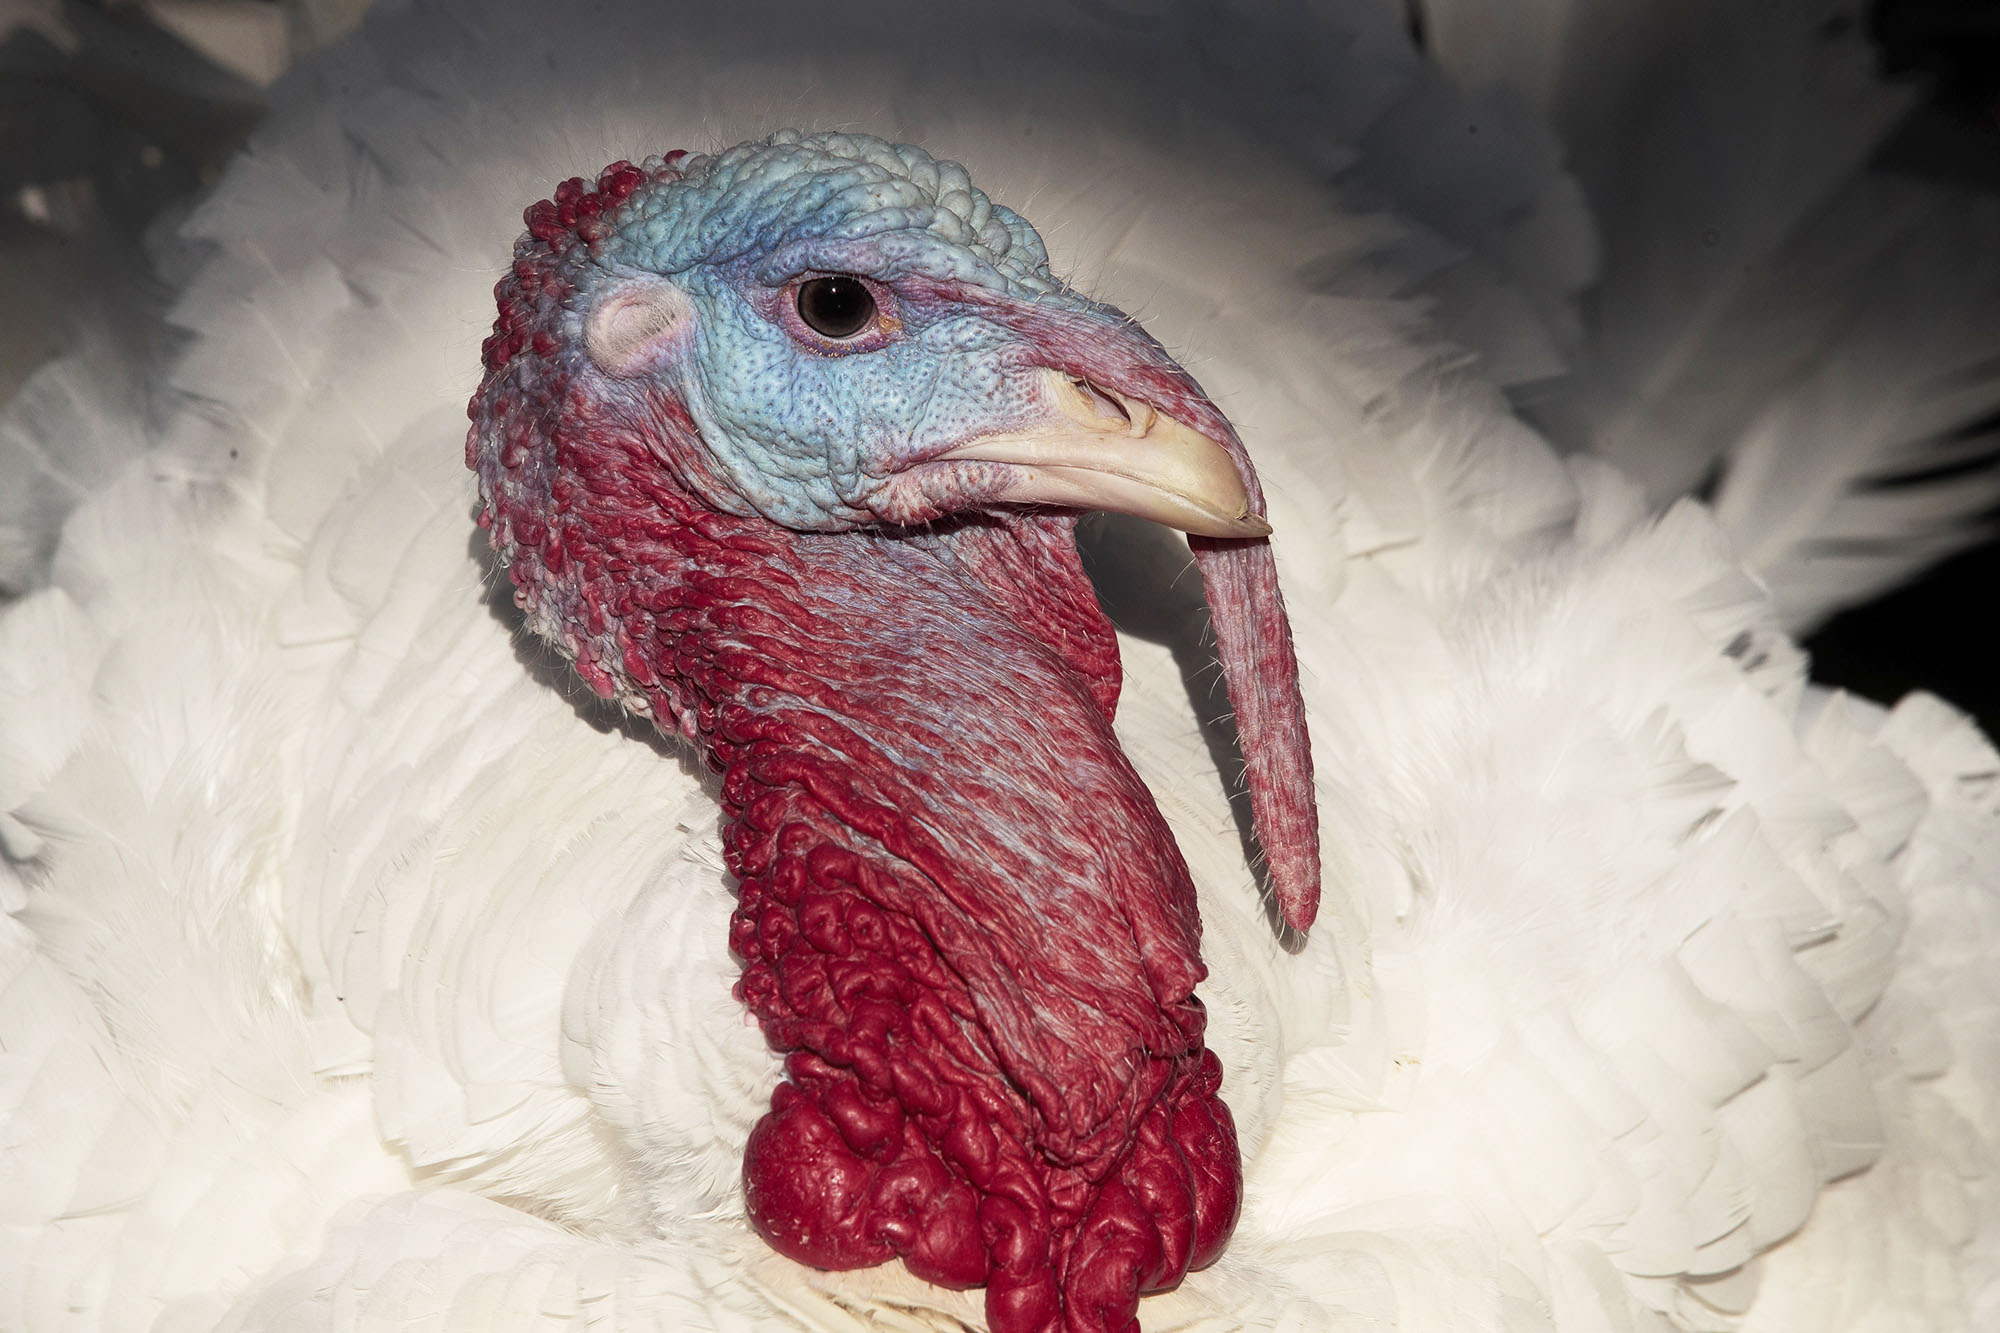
(836, 307)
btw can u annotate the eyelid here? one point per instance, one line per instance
(887, 328)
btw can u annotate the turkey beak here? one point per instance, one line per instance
(1100, 449)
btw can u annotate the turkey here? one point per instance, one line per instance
(807, 554)
(361, 969)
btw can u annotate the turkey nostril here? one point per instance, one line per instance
(1108, 407)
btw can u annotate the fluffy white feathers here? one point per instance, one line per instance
(1771, 319)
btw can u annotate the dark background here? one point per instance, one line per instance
(1938, 633)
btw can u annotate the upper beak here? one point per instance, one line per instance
(1099, 449)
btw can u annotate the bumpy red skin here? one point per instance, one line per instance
(960, 912)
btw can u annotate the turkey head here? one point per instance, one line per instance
(784, 449)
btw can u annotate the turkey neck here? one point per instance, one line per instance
(960, 914)
(886, 701)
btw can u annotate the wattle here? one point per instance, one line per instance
(960, 910)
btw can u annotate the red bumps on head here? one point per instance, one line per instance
(590, 223)
(581, 210)
(619, 180)
(543, 222)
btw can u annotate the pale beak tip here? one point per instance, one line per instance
(1245, 526)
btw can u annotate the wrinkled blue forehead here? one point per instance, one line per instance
(795, 202)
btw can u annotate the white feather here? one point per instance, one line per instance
(1771, 318)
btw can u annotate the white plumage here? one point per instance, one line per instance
(358, 975)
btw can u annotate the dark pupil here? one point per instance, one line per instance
(836, 307)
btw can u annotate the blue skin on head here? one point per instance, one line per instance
(812, 433)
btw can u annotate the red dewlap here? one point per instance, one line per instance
(996, 1069)
(969, 927)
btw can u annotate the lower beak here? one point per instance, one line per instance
(1102, 450)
